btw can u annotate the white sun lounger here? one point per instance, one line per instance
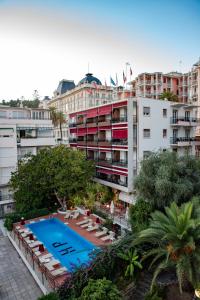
(59, 271)
(68, 213)
(87, 224)
(31, 222)
(25, 234)
(24, 230)
(28, 241)
(45, 258)
(102, 232)
(75, 215)
(50, 265)
(18, 227)
(83, 221)
(92, 228)
(35, 244)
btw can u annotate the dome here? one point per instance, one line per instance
(89, 79)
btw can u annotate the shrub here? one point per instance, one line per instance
(16, 217)
(100, 289)
(139, 215)
(51, 296)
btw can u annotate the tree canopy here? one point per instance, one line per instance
(25, 103)
(53, 174)
(165, 177)
(169, 96)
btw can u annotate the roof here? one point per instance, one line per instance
(89, 78)
(64, 86)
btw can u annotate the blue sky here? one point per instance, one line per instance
(43, 42)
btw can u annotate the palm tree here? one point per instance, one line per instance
(175, 237)
(169, 96)
(58, 119)
(131, 258)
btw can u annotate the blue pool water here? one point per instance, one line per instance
(71, 249)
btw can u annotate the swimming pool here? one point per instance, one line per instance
(71, 249)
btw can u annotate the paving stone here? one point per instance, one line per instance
(16, 283)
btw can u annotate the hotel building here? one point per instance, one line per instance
(117, 136)
(22, 131)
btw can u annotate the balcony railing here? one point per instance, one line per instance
(176, 140)
(71, 125)
(115, 181)
(6, 197)
(120, 119)
(73, 140)
(121, 162)
(123, 142)
(174, 120)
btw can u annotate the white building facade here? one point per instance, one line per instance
(22, 131)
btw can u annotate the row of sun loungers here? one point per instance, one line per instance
(47, 260)
(72, 214)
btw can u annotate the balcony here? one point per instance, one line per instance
(80, 124)
(104, 142)
(72, 125)
(112, 180)
(121, 163)
(182, 141)
(36, 141)
(81, 143)
(121, 119)
(104, 162)
(123, 142)
(92, 143)
(184, 121)
(72, 140)
(104, 123)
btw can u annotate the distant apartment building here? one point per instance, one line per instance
(117, 136)
(185, 86)
(22, 131)
(89, 92)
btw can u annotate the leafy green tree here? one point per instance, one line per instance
(100, 289)
(169, 96)
(165, 177)
(50, 296)
(25, 103)
(131, 258)
(53, 174)
(175, 237)
(139, 214)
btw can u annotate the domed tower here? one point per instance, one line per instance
(89, 78)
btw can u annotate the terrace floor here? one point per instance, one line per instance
(16, 283)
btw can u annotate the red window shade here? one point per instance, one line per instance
(72, 115)
(92, 130)
(92, 113)
(73, 130)
(120, 134)
(104, 110)
(81, 131)
(105, 171)
(120, 104)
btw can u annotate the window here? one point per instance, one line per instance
(146, 154)
(164, 112)
(164, 133)
(146, 111)
(146, 133)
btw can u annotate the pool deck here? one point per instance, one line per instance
(43, 274)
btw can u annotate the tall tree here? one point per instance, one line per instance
(165, 177)
(175, 237)
(58, 119)
(53, 174)
(169, 96)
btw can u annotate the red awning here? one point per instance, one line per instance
(120, 134)
(72, 130)
(105, 128)
(81, 131)
(104, 110)
(92, 113)
(119, 173)
(92, 130)
(120, 104)
(105, 171)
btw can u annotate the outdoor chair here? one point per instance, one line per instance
(75, 215)
(101, 233)
(108, 237)
(50, 265)
(59, 271)
(92, 228)
(68, 213)
(87, 224)
(83, 221)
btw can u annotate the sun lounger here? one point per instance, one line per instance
(59, 271)
(25, 234)
(50, 265)
(68, 213)
(35, 244)
(42, 219)
(108, 237)
(31, 222)
(92, 228)
(24, 230)
(87, 224)
(18, 227)
(83, 222)
(76, 215)
(45, 258)
(102, 232)
(28, 241)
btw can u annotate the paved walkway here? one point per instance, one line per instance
(16, 283)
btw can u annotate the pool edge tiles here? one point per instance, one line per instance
(63, 242)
